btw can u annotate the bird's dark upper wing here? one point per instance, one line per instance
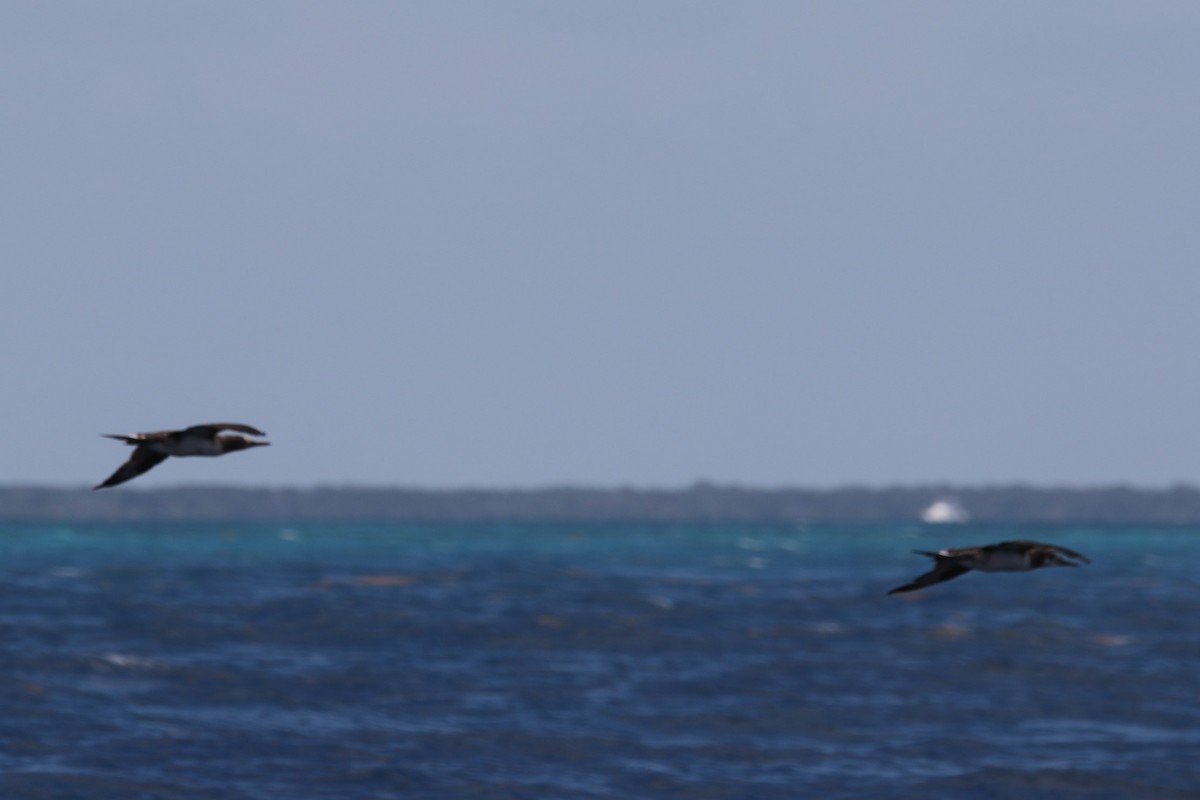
(213, 428)
(142, 460)
(945, 570)
(1021, 545)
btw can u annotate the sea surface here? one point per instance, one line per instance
(699, 662)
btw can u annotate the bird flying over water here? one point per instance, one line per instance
(1014, 556)
(151, 449)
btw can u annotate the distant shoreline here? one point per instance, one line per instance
(697, 503)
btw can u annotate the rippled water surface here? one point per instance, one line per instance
(603, 661)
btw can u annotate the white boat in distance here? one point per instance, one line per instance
(945, 510)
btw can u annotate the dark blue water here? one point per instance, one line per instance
(607, 661)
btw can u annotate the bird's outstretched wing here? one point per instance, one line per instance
(945, 569)
(213, 428)
(141, 460)
(1054, 553)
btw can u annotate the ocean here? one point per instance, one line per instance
(698, 662)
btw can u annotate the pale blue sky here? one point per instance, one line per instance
(519, 244)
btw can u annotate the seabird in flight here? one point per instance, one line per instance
(1015, 556)
(151, 449)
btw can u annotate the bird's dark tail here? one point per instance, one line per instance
(120, 438)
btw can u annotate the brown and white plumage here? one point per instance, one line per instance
(151, 449)
(1014, 556)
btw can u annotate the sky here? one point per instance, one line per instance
(522, 244)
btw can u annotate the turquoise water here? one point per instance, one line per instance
(597, 661)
